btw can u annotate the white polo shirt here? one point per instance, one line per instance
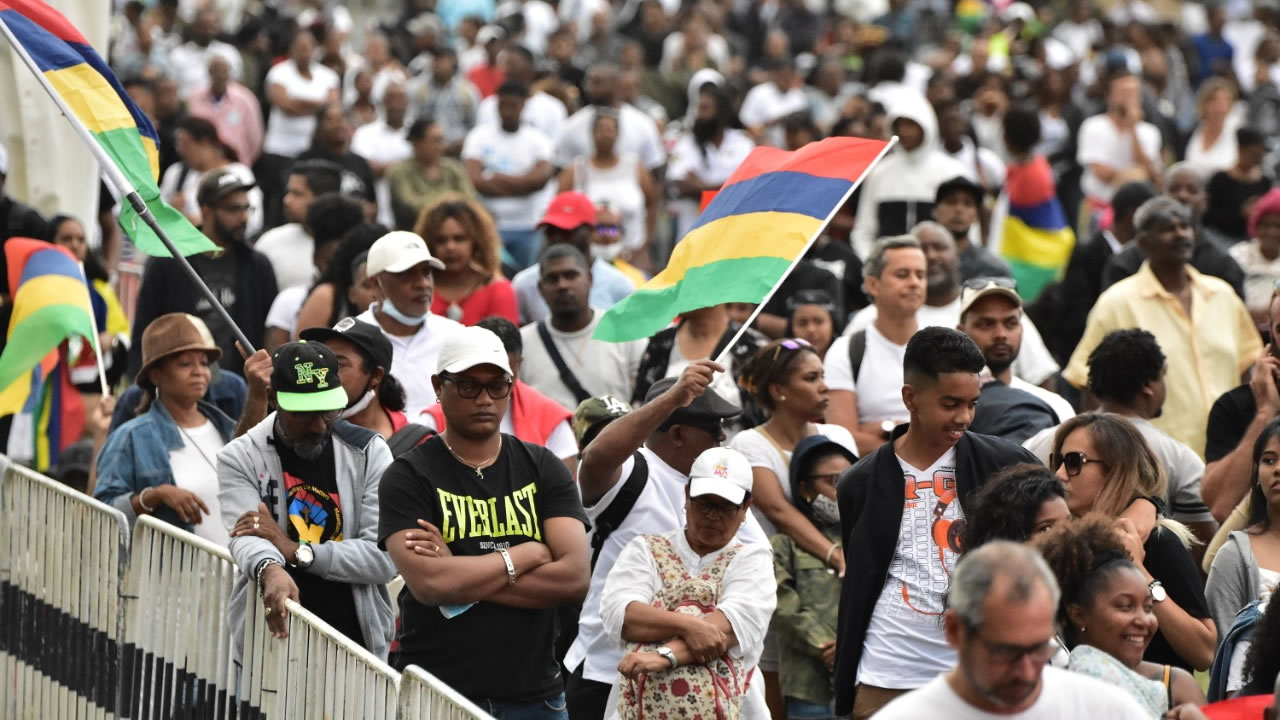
(413, 358)
(659, 509)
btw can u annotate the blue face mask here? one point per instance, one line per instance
(390, 309)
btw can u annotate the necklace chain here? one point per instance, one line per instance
(478, 468)
(197, 447)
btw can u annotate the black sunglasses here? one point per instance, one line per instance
(469, 388)
(1073, 461)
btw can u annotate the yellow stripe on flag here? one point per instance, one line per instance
(94, 102)
(1042, 248)
(40, 292)
(751, 235)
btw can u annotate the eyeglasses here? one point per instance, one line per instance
(829, 477)
(1005, 654)
(1073, 461)
(326, 415)
(469, 388)
(713, 510)
(610, 231)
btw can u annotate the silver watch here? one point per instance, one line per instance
(670, 655)
(304, 556)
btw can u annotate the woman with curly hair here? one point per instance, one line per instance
(1106, 465)
(1107, 613)
(471, 287)
(1262, 663)
(1018, 503)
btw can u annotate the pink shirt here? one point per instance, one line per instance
(237, 116)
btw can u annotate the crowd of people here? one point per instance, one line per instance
(1005, 442)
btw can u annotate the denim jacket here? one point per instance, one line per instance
(136, 457)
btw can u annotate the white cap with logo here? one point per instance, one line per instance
(470, 346)
(398, 251)
(721, 472)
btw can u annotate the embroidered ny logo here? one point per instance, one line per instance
(308, 373)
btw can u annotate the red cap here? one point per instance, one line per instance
(569, 211)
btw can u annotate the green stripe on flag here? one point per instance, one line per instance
(1032, 279)
(41, 331)
(124, 146)
(645, 312)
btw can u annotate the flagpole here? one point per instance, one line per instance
(96, 341)
(123, 186)
(720, 359)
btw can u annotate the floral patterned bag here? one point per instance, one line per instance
(713, 690)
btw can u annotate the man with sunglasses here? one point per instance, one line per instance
(999, 621)
(489, 534)
(299, 491)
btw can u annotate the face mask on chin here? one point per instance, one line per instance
(608, 253)
(359, 405)
(395, 314)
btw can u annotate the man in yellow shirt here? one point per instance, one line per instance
(1201, 324)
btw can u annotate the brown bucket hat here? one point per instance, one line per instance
(171, 334)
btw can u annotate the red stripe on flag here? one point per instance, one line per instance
(707, 197)
(844, 158)
(47, 18)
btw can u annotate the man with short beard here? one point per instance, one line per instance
(299, 491)
(240, 277)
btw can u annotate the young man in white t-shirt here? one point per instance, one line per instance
(1000, 623)
(509, 164)
(867, 400)
(1118, 146)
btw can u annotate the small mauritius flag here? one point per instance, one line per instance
(1034, 238)
(96, 101)
(750, 235)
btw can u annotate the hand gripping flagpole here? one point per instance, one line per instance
(724, 354)
(124, 187)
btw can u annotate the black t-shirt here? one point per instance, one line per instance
(1228, 422)
(1172, 564)
(315, 515)
(490, 651)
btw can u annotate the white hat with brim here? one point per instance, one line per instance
(470, 347)
(721, 472)
(398, 251)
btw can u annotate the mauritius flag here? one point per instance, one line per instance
(1034, 237)
(96, 101)
(750, 236)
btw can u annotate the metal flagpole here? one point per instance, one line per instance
(123, 186)
(720, 359)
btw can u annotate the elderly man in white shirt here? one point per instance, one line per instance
(657, 580)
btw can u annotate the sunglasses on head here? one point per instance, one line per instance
(790, 344)
(609, 230)
(1073, 461)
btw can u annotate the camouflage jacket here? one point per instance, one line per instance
(805, 619)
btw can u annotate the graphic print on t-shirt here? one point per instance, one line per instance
(315, 515)
(465, 516)
(922, 566)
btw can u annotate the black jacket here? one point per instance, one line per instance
(1208, 258)
(871, 496)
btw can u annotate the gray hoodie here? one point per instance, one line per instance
(1233, 581)
(249, 473)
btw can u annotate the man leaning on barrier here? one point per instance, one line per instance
(490, 536)
(299, 492)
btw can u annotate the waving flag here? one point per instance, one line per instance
(95, 101)
(50, 304)
(1035, 238)
(751, 234)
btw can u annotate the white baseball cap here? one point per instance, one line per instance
(721, 472)
(470, 346)
(398, 251)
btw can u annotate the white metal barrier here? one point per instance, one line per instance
(178, 646)
(62, 557)
(424, 697)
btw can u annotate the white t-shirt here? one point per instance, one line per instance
(879, 383)
(190, 187)
(194, 467)
(511, 154)
(1064, 695)
(380, 143)
(284, 309)
(723, 383)
(290, 250)
(765, 104)
(414, 358)
(560, 442)
(602, 368)
(541, 111)
(762, 453)
(290, 135)
(904, 645)
(189, 64)
(720, 162)
(1102, 143)
(637, 134)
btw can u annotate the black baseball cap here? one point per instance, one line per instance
(220, 183)
(706, 409)
(305, 378)
(368, 338)
(962, 184)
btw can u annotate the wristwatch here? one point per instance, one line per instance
(670, 656)
(303, 556)
(1156, 588)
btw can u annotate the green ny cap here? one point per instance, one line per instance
(305, 378)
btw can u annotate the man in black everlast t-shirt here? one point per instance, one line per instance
(490, 536)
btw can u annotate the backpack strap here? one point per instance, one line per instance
(566, 375)
(857, 348)
(407, 438)
(617, 512)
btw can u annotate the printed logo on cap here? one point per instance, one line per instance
(345, 324)
(722, 469)
(308, 374)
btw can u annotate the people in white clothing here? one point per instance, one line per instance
(290, 247)
(637, 133)
(768, 103)
(607, 175)
(400, 263)
(385, 142)
(296, 89)
(1000, 622)
(705, 155)
(190, 61)
(1117, 146)
(542, 111)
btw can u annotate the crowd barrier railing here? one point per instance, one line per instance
(62, 561)
(177, 643)
(422, 695)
